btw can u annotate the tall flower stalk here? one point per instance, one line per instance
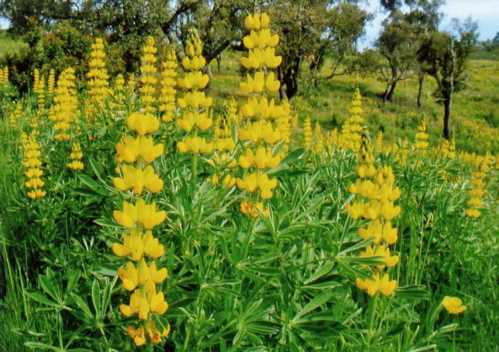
(97, 78)
(167, 107)
(264, 126)
(351, 131)
(195, 120)
(375, 193)
(33, 170)
(148, 77)
(63, 113)
(140, 275)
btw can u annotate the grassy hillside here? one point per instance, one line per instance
(475, 114)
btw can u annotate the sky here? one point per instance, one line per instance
(484, 12)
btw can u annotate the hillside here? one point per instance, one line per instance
(475, 114)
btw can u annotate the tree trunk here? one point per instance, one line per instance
(288, 76)
(219, 63)
(388, 94)
(420, 89)
(447, 112)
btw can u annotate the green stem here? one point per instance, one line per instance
(373, 305)
(194, 171)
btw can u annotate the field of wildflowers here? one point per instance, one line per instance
(141, 213)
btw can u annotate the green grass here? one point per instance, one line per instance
(475, 118)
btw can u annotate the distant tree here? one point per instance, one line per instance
(445, 56)
(424, 17)
(408, 23)
(343, 26)
(300, 25)
(219, 23)
(496, 39)
(397, 45)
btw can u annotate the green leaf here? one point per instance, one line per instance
(92, 185)
(413, 293)
(38, 345)
(313, 304)
(82, 305)
(320, 272)
(96, 297)
(38, 297)
(50, 288)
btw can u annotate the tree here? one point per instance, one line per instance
(424, 18)
(219, 24)
(397, 45)
(408, 23)
(299, 24)
(445, 56)
(344, 24)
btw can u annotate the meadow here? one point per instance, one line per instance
(150, 212)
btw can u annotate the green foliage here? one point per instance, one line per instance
(277, 284)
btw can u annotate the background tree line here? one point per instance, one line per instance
(313, 33)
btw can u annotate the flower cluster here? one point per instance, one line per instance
(319, 145)
(422, 137)
(167, 105)
(51, 83)
(477, 190)
(98, 78)
(63, 113)
(148, 77)
(377, 192)
(222, 159)
(307, 134)
(118, 96)
(447, 149)
(76, 157)
(195, 119)
(39, 88)
(264, 125)
(4, 75)
(32, 167)
(351, 131)
(140, 274)
(15, 115)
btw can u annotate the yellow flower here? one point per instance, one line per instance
(137, 335)
(129, 276)
(254, 210)
(133, 246)
(140, 213)
(453, 305)
(138, 180)
(143, 301)
(131, 149)
(473, 213)
(381, 251)
(377, 284)
(142, 123)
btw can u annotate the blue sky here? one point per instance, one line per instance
(485, 12)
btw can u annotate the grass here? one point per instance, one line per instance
(475, 113)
